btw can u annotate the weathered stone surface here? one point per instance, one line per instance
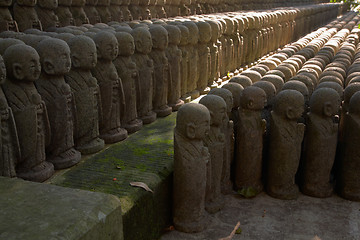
(42, 211)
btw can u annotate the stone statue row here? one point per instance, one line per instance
(284, 115)
(45, 14)
(69, 92)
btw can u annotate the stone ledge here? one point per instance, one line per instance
(45, 212)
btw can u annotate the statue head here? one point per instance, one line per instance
(217, 108)
(243, 80)
(332, 85)
(142, 39)
(215, 30)
(298, 86)
(236, 90)
(289, 104)
(354, 104)
(269, 89)
(193, 121)
(126, 43)
(276, 80)
(22, 63)
(253, 98)
(174, 34)
(54, 56)
(106, 45)
(350, 90)
(325, 102)
(2, 71)
(48, 4)
(159, 36)
(7, 42)
(184, 35)
(83, 52)
(224, 94)
(194, 32)
(253, 75)
(204, 31)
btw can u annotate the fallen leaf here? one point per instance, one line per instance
(234, 231)
(141, 185)
(118, 167)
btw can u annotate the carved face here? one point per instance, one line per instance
(160, 40)
(258, 102)
(2, 71)
(330, 108)
(144, 43)
(49, 4)
(109, 49)
(62, 62)
(219, 116)
(30, 66)
(127, 46)
(202, 129)
(86, 58)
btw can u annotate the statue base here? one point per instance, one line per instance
(39, 173)
(114, 135)
(215, 205)
(205, 91)
(176, 105)
(133, 126)
(319, 191)
(66, 159)
(193, 227)
(163, 111)
(92, 147)
(149, 117)
(194, 94)
(285, 193)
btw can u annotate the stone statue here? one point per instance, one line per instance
(159, 9)
(243, 80)
(78, 13)
(145, 67)
(7, 42)
(160, 40)
(126, 68)
(104, 11)
(125, 10)
(64, 14)
(184, 67)
(135, 10)
(91, 11)
(320, 142)
(204, 56)
(144, 9)
(285, 140)
(56, 93)
(191, 158)
(193, 73)
(25, 15)
(214, 141)
(111, 88)
(227, 128)
(214, 70)
(32, 123)
(86, 94)
(115, 10)
(348, 182)
(7, 22)
(45, 10)
(9, 143)
(174, 56)
(248, 162)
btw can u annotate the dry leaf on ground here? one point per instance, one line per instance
(141, 185)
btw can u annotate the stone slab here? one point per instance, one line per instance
(264, 217)
(45, 212)
(145, 156)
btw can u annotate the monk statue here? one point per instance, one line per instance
(64, 14)
(214, 70)
(144, 9)
(348, 182)
(78, 13)
(191, 158)
(250, 130)
(30, 114)
(174, 56)
(160, 40)
(56, 93)
(214, 141)
(91, 11)
(204, 56)
(7, 22)
(45, 10)
(125, 10)
(111, 88)
(320, 142)
(86, 94)
(135, 10)
(9, 143)
(104, 11)
(25, 15)
(115, 10)
(184, 63)
(126, 68)
(285, 140)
